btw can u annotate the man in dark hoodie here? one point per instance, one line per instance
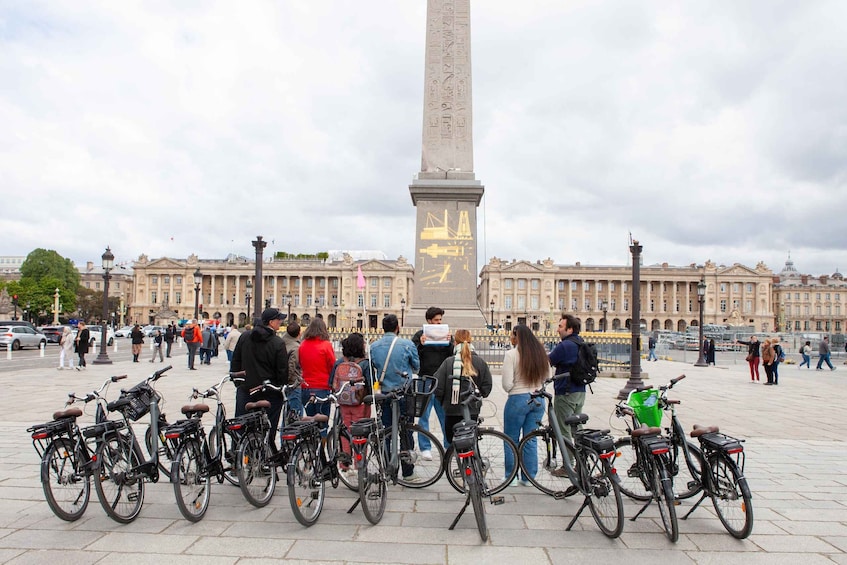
(570, 397)
(261, 353)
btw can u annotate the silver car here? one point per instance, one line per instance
(21, 336)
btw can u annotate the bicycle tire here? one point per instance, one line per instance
(634, 480)
(549, 460)
(65, 483)
(166, 450)
(347, 473)
(373, 492)
(475, 491)
(121, 496)
(256, 475)
(492, 446)
(687, 481)
(306, 489)
(427, 471)
(192, 487)
(229, 455)
(662, 486)
(604, 498)
(731, 496)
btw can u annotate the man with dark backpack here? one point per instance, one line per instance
(569, 392)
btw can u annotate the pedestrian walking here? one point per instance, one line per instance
(170, 335)
(806, 352)
(82, 343)
(158, 338)
(192, 338)
(824, 351)
(137, 337)
(67, 349)
(753, 356)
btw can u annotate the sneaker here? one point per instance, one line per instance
(560, 472)
(514, 482)
(413, 478)
(426, 455)
(832, 369)
(525, 483)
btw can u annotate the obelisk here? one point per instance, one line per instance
(445, 192)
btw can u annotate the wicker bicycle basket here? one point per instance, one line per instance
(417, 396)
(140, 398)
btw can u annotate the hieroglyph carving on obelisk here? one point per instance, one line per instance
(447, 128)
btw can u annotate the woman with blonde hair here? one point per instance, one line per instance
(457, 375)
(67, 351)
(768, 357)
(525, 367)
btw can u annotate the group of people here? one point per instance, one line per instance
(70, 344)
(770, 353)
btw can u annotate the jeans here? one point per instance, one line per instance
(423, 422)
(520, 417)
(206, 356)
(192, 352)
(807, 361)
(229, 355)
(652, 355)
(407, 442)
(312, 409)
(168, 350)
(295, 402)
(775, 372)
(824, 358)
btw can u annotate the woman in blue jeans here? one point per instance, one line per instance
(525, 367)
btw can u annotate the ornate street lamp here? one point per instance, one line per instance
(108, 262)
(56, 307)
(402, 312)
(492, 314)
(634, 381)
(288, 303)
(605, 308)
(316, 308)
(198, 279)
(701, 298)
(248, 296)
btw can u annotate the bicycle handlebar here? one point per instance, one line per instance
(72, 397)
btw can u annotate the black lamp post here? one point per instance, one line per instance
(402, 312)
(492, 315)
(259, 245)
(198, 279)
(701, 299)
(108, 262)
(28, 313)
(634, 381)
(15, 302)
(605, 308)
(248, 295)
(316, 308)
(288, 303)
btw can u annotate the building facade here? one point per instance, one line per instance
(810, 304)
(300, 287)
(536, 294)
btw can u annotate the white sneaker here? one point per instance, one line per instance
(413, 478)
(426, 455)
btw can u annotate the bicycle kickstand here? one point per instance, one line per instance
(578, 512)
(461, 512)
(355, 504)
(693, 508)
(643, 508)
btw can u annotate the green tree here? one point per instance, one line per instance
(42, 272)
(41, 263)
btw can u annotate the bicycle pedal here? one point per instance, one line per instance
(497, 500)
(559, 495)
(693, 485)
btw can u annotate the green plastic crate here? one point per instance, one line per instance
(645, 404)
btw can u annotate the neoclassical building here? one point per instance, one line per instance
(600, 295)
(810, 304)
(164, 288)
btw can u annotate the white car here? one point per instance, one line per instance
(95, 332)
(150, 331)
(21, 336)
(124, 331)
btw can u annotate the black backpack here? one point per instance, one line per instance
(801, 349)
(584, 371)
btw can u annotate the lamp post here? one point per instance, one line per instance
(491, 304)
(316, 308)
(402, 312)
(288, 303)
(122, 310)
(604, 306)
(701, 298)
(248, 295)
(635, 379)
(15, 302)
(28, 313)
(198, 278)
(108, 262)
(56, 307)
(259, 245)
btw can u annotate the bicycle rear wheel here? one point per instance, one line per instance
(635, 480)
(121, 492)
(662, 487)
(306, 490)
(344, 458)
(475, 491)
(427, 471)
(604, 498)
(373, 492)
(256, 474)
(229, 449)
(66, 485)
(549, 459)
(192, 487)
(731, 496)
(492, 446)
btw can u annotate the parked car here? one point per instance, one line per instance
(150, 331)
(21, 336)
(96, 331)
(124, 331)
(53, 333)
(9, 323)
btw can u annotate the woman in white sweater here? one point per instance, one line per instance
(525, 367)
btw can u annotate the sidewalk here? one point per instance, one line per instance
(795, 465)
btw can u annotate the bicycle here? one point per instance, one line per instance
(200, 457)
(316, 460)
(381, 451)
(646, 405)
(472, 467)
(591, 472)
(67, 458)
(723, 480)
(123, 469)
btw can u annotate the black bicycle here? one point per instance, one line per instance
(67, 453)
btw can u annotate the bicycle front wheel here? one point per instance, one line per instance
(635, 480)
(192, 487)
(731, 496)
(373, 492)
(475, 491)
(121, 491)
(604, 496)
(491, 447)
(427, 471)
(547, 475)
(256, 474)
(65, 483)
(662, 487)
(306, 490)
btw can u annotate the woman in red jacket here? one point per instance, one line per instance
(317, 358)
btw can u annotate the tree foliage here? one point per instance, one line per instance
(41, 263)
(42, 272)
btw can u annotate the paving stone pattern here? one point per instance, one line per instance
(796, 467)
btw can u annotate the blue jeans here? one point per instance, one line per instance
(520, 417)
(652, 355)
(423, 422)
(824, 358)
(807, 361)
(407, 441)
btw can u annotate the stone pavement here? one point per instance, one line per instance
(796, 467)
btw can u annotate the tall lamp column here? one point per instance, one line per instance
(108, 262)
(248, 296)
(635, 379)
(701, 299)
(491, 320)
(56, 308)
(402, 312)
(198, 278)
(604, 306)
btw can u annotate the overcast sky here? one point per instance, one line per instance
(709, 130)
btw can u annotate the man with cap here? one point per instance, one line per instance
(262, 354)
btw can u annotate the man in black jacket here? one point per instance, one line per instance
(261, 353)
(431, 358)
